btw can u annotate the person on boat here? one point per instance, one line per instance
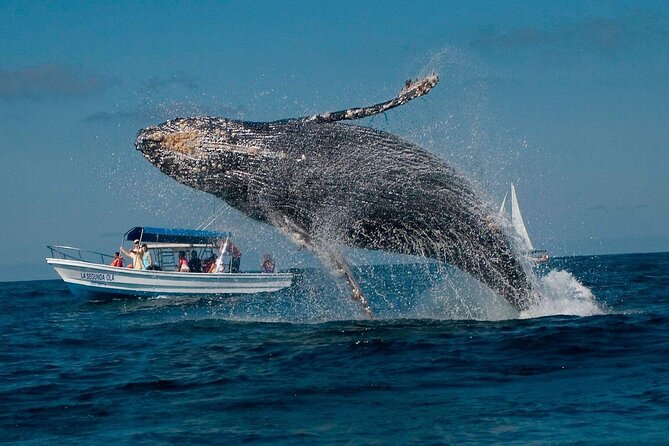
(118, 260)
(236, 257)
(209, 265)
(135, 254)
(195, 263)
(267, 265)
(182, 266)
(147, 258)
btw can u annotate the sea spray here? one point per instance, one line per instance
(562, 294)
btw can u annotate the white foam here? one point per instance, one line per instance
(562, 294)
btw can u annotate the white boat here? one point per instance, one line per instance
(90, 273)
(537, 255)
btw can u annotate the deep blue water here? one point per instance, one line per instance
(301, 367)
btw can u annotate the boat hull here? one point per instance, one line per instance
(85, 278)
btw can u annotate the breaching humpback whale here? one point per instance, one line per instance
(326, 183)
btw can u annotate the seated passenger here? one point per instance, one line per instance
(267, 265)
(209, 264)
(194, 264)
(147, 258)
(118, 260)
(182, 266)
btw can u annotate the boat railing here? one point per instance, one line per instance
(72, 253)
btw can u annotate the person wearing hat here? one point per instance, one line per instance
(135, 254)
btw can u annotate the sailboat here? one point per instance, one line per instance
(536, 255)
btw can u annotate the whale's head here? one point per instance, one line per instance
(215, 155)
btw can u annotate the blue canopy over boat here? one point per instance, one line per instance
(167, 235)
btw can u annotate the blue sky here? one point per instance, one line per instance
(566, 99)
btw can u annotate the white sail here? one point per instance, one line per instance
(517, 221)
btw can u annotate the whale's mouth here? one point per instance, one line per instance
(148, 139)
(154, 139)
(151, 143)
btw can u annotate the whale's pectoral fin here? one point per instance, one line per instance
(334, 257)
(327, 253)
(411, 90)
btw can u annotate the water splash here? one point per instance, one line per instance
(562, 294)
(428, 291)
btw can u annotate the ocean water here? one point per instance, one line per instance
(443, 362)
